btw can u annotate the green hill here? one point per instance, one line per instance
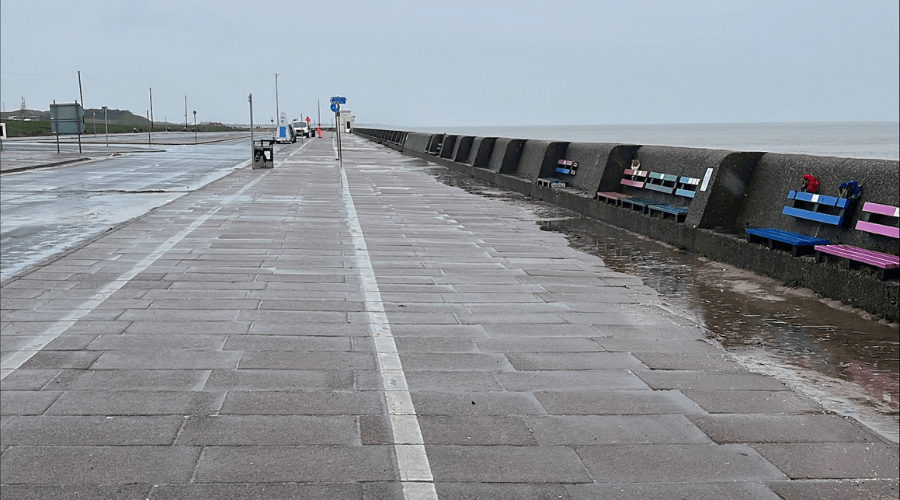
(30, 122)
(115, 116)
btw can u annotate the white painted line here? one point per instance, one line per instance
(409, 447)
(299, 149)
(12, 363)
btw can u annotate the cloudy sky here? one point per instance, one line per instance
(418, 63)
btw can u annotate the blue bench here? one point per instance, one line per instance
(637, 203)
(797, 242)
(665, 183)
(679, 212)
(566, 167)
(654, 181)
(687, 187)
(817, 207)
(808, 206)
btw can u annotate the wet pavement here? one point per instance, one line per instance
(49, 210)
(27, 153)
(835, 353)
(368, 332)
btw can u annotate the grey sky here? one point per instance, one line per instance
(412, 63)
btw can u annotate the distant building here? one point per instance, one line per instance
(347, 121)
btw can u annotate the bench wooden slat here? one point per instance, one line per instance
(641, 201)
(660, 188)
(671, 209)
(663, 177)
(871, 227)
(877, 208)
(836, 220)
(872, 257)
(787, 236)
(612, 195)
(819, 199)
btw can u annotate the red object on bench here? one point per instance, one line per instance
(887, 264)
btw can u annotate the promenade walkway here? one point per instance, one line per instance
(368, 332)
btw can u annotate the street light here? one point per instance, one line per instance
(105, 120)
(195, 126)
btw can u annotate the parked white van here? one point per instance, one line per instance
(301, 128)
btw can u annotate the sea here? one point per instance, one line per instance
(880, 140)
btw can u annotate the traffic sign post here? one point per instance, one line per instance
(67, 119)
(336, 107)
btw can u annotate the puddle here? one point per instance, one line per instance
(791, 333)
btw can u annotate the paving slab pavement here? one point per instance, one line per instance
(28, 153)
(369, 332)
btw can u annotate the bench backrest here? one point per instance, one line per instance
(664, 183)
(634, 178)
(817, 207)
(687, 186)
(877, 211)
(567, 167)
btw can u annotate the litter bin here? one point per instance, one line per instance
(263, 154)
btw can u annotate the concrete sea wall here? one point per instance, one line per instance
(738, 190)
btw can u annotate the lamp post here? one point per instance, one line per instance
(276, 95)
(195, 126)
(106, 120)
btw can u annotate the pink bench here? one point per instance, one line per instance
(631, 177)
(872, 222)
